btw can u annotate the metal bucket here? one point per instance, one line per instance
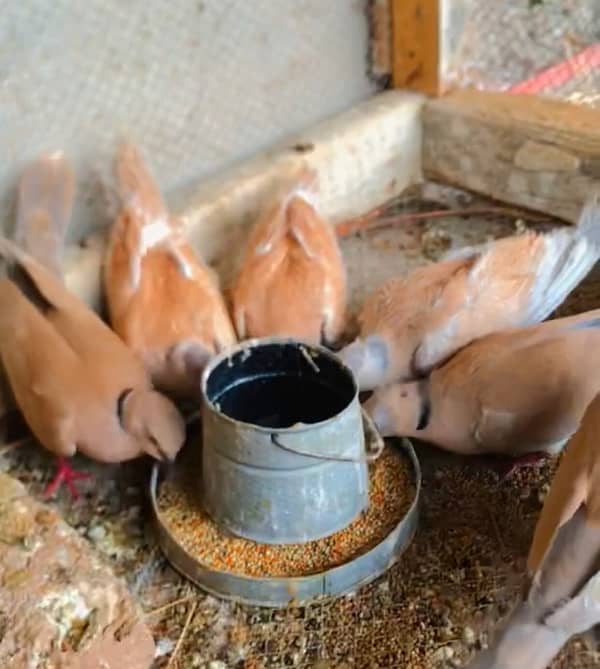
(284, 457)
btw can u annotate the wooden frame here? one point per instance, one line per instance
(530, 151)
(416, 45)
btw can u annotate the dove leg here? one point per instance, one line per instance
(67, 475)
(529, 460)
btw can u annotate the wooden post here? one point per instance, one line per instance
(530, 151)
(416, 48)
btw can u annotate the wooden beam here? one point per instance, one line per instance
(530, 151)
(416, 45)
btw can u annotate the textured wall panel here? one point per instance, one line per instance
(199, 84)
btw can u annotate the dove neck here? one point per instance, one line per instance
(415, 415)
(403, 409)
(424, 406)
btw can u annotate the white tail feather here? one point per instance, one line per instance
(570, 255)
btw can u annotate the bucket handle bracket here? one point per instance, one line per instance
(374, 445)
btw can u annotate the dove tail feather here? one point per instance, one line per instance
(570, 255)
(299, 233)
(148, 219)
(305, 186)
(44, 206)
(524, 643)
(286, 220)
(138, 189)
(269, 232)
(147, 223)
(564, 600)
(15, 268)
(589, 218)
(297, 223)
(29, 288)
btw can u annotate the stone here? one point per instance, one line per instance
(61, 607)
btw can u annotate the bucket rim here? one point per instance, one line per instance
(265, 341)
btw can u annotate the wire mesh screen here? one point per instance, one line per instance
(548, 47)
(199, 84)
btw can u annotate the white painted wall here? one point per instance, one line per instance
(199, 84)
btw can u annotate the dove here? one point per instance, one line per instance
(409, 325)
(520, 392)
(292, 281)
(45, 195)
(162, 300)
(77, 384)
(563, 590)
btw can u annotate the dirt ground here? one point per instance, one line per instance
(462, 572)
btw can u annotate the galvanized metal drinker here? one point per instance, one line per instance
(284, 448)
(283, 459)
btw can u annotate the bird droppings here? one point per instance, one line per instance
(435, 242)
(164, 647)
(67, 610)
(96, 533)
(391, 493)
(468, 636)
(520, 226)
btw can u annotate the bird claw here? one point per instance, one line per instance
(528, 460)
(67, 475)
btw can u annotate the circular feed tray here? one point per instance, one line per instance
(280, 591)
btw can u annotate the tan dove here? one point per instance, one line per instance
(563, 597)
(517, 392)
(411, 324)
(44, 205)
(292, 281)
(162, 300)
(77, 384)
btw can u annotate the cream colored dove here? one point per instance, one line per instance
(163, 301)
(517, 392)
(563, 597)
(411, 324)
(79, 387)
(292, 281)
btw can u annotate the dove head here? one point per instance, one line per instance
(369, 361)
(186, 361)
(155, 422)
(399, 409)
